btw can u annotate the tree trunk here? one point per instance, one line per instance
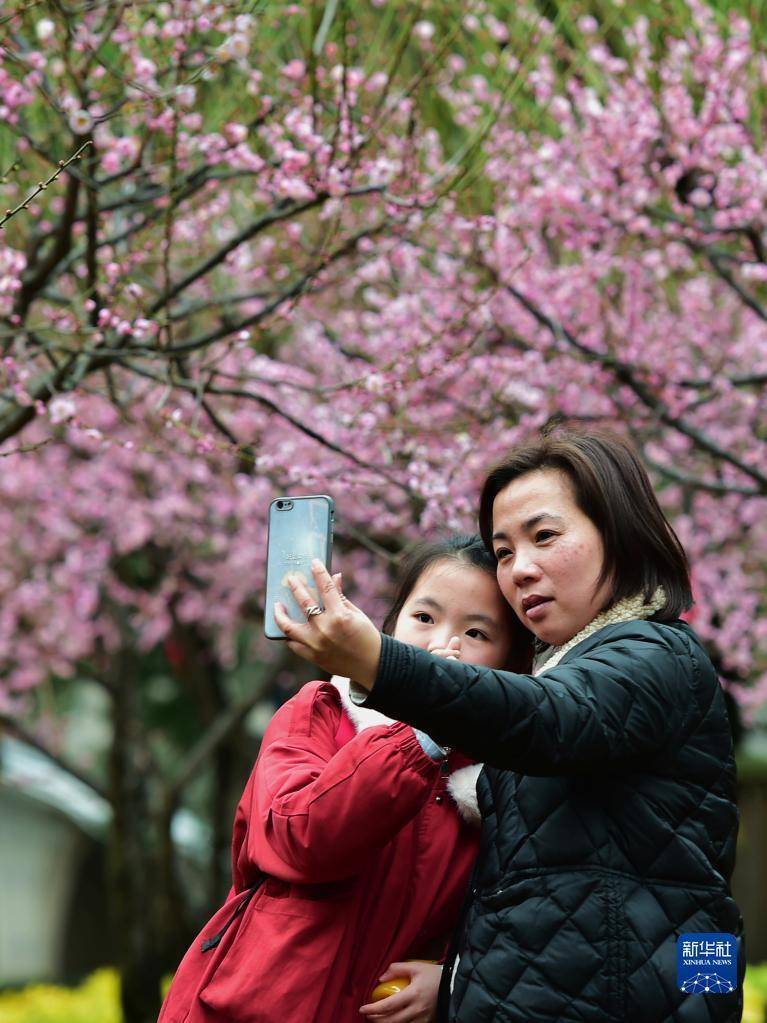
(132, 856)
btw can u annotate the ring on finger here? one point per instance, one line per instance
(314, 609)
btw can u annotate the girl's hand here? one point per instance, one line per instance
(341, 640)
(452, 650)
(417, 1003)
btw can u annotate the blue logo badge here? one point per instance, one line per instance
(707, 964)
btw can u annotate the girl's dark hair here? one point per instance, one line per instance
(611, 487)
(472, 551)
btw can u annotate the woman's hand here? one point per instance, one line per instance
(341, 640)
(417, 1003)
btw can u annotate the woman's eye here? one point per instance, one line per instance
(502, 552)
(476, 634)
(544, 534)
(424, 617)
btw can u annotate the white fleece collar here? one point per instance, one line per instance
(462, 783)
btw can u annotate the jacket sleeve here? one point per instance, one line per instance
(631, 697)
(313, 812)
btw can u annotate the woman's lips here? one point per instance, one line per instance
(538, 610)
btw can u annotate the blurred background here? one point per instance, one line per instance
(358, 247)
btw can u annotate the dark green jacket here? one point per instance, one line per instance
(608, 824)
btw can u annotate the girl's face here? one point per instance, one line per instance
(453, 598)
(550, 556)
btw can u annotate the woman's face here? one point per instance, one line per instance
(453, 598)
(549, 555)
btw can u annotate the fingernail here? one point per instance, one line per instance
(316, 563)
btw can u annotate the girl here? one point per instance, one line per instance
(355, 835)
(609, 821)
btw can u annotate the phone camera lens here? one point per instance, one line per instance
(279, 504)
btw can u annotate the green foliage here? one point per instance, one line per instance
(96, 1000)
(755, 994)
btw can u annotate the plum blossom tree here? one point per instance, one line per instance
(186, 204)
(364, 252)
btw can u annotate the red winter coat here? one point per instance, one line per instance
(367, 860)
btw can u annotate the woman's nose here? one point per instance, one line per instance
(524, 569)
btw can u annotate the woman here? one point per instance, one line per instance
(608, 796)
(355, 835)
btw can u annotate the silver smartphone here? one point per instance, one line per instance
(300, 528)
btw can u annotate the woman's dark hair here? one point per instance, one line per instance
(472, 551)
(611, 487)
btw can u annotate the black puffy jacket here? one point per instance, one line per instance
(608, 824)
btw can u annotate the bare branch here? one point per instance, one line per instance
(219, 424)
(626, 375)
(13, 727)
(729, 279)
(296, 289)
(193, 387)
(182, 312)
(744, 380)
(26, 449)
(221, 728)
(38, 274)
(42, 185)
(67, 376)
(283, 211)
(696, 483)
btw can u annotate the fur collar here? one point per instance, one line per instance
(626, 610)
(462, 783)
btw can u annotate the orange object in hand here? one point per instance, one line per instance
(389, 987)
(396, 984)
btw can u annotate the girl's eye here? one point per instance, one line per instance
(502, 552)
(424, 617)
(476, 634)
(544, 534)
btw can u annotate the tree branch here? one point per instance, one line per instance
(296, 289)
(221, 728)
(729, 279)
(626, 375)
(744, 380)
(42, 185)
(34, 281)
(283, 211)
(193, 387)
(81, 364)
(698, 484)
(18, 731)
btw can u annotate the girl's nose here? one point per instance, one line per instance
(439, 639)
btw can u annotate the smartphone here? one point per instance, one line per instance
(300, 528)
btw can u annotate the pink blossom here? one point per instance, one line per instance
(80, 121)
(427, 336)
(235, 133)
(294, 70)
(61, 408)
(45, 30)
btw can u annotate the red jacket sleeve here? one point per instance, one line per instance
(312, 812)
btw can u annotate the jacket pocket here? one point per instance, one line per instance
(278, 965)
(560, 944)
(511, 894)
